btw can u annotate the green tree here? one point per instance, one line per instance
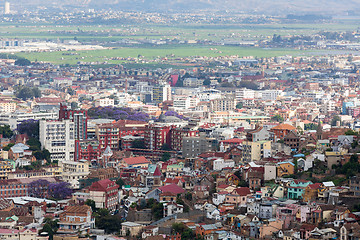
(91, 203)
(22, 62)
(335, 120)
(7, 147)
(140, 144)
(239, 106)
(277, 118)
(166, 156)
(6, 131)
(157, 211)
(120, 182)
(207, 82)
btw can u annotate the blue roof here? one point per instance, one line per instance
(299, 155)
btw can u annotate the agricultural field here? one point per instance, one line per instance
(106, 34)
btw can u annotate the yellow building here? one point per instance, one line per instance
(255, 151)
(285, 168)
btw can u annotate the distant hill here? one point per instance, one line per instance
(252, 6)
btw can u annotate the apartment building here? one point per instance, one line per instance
(58, 137)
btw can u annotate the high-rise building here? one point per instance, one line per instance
(7, 8)
(58, 137)
(78, 117)
(161, 93)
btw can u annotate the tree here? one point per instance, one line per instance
(74, 105)
(351, 132)
(157, 211)
(34, 144)
(207, 82)
(335, 119)
(7, 147)
(120, 182)
(188, 196)
(22, 62)
(38, 188)
(91, 203)
(140, 144)
(166, 156)
(59, 191)
(25, 93)
(6, 131)
(165, 147)
(239, 106)
(30, 127)
(277, 118)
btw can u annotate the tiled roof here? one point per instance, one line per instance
(136, 160)
(172, 188)
(284, 126)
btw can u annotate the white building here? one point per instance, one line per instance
(7, 107)
(185, 102)
(13, 119)
(207, 95)
(58, 137)
(104, 102)
(72, 172)
(220, 163)
(172, 208)
(244, 93)
(271, 94)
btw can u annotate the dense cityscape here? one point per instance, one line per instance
(167, 126)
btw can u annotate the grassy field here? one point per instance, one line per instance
(106, 33)
(151, 53)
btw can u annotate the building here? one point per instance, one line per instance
(130, 229)
(156, 136)
(161, 93)
(12, 188)
(7, 106)
(109, 134)
(76, 220)
(7, 8)
(14, 118)
(354, 184)
(72, 172)
(224, 104)
(171, 208)
(78, 117)
(104, 102)
(255, 151)
(280, 131)
(105, 194)
(195, 145)
(87, 149)
(58, 137)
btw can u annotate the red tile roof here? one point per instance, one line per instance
(242, 191)
(172, 188)
(136, 160)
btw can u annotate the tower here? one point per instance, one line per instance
(7, 8)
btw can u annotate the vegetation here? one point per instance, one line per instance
(277, 118)
(350, 168)
(6, 132)
(50, 227)
(104, 220)
(25, 93)
(186, 233)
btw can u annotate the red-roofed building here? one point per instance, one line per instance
(172, 188)
(238, 196)
(109, 134)
(105, 194)
(281, 130)
(138, 162)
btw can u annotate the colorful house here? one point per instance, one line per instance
(296, 188)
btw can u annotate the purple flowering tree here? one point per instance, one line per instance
(117, 113)
(30, 127)
(59, 190)
(38, 188)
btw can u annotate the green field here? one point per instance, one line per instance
(103, 34)
(152, 53)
